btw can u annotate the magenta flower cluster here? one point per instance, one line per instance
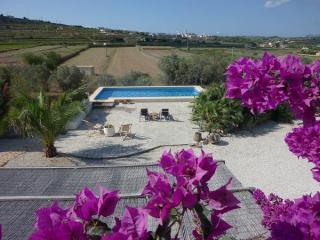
(305, 143)
(257, 83)
(263, 84)
(181, 187)
(73, 223)
(287, 220)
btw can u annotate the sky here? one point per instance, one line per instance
(217, 17)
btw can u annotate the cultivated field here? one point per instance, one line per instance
(15, 57)
(159, 52)
(240, 52)
(123, 60)
(95, 57)
(130, 59)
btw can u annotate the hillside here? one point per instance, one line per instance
(16, 33)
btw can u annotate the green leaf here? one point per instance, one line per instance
(97, 228)
(163, 231)
(173, 213)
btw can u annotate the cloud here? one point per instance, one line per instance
(275, 3)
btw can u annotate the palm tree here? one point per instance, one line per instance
(43, 117)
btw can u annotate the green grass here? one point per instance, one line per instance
(15, 46)
(68, 50)
(253, 53)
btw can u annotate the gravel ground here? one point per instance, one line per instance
(258, 158)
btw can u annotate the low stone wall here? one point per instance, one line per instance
(75, 123)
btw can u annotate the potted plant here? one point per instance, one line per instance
(109, 130)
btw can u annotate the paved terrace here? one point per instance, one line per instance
(147, 134)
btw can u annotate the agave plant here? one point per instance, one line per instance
(43, 117)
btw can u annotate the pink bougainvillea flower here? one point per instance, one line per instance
(291, 68)
(185, 163)
(222, 200)
(207, 163)
(159, 207)
(256, 83)
(168, 163)
(107, 201)
(185, 196)
(0, 232)
(187, 167)
(50, 217)
(285, 231)
(134, 223)
(298, 217)
(219, 226)
(86, 204)
(304, 142)
(158, 183)
(52, 223)
(133, 226)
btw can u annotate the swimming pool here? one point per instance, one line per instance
(146, 93)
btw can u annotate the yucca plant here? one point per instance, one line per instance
(43, 117)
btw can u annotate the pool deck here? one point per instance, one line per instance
(147, 135)
(93, 96)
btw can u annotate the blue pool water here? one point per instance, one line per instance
(147, 92)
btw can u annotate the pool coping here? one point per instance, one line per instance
(92, 97)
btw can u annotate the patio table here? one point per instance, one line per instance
(154, 116)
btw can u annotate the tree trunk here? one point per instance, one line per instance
(51, 151)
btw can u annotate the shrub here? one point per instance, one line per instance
(4, 89)
(68, 78)
(105, 80)
(195, 70)
(78, 94)
(50, 59)
(136, 79)
(216, 112)
(282, 114)
(32, 59)
(38, 76)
